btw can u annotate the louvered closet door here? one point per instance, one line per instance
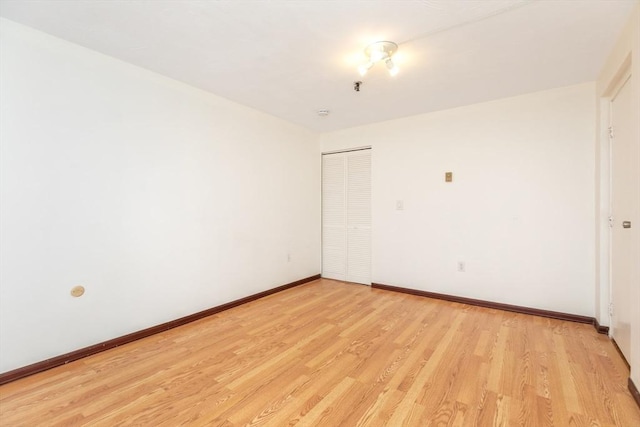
(334, 237)
(346, 216)
(359, 216)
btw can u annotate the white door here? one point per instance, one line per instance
(623, 155)
(346, 216)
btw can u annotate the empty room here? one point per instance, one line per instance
(320, 213)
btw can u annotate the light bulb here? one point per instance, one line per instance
(362, 69)
(393, 69)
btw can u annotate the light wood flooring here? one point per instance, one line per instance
(335, 354)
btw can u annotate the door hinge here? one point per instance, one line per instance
(610, 132)
(610, 221)
(611, 309)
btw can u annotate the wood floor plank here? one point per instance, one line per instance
(329, 353)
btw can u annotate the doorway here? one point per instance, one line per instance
(346, 216)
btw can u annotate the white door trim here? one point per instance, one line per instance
(603, 208)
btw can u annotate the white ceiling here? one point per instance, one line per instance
(292, 58)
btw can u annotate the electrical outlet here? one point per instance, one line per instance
(461, 266)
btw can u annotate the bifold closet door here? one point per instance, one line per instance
(346, 216)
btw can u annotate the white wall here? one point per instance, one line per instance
(626, 50)
(520, 209)
(162, 200)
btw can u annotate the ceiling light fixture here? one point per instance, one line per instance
(380, 51)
